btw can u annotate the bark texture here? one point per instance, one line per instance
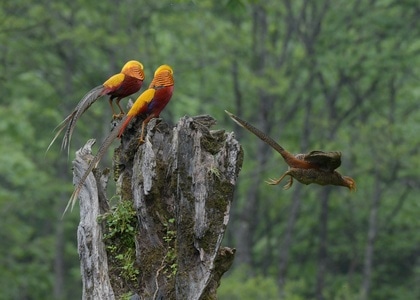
(92, 253)
(179, 185)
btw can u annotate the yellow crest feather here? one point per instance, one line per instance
(133, 68)
(164, 68)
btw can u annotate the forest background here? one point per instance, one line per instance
(328, 75)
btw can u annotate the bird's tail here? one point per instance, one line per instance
(124, 123)
(81, 107)
(265, 138)
(60, 127)
(288, 157)
(95, 161)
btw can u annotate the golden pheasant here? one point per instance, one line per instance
(152, 101)
(314, 167)
(149, 104)
(118, 86)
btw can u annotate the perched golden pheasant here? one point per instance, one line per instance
(314, 167)
(149, 104)
(152, 101)
(118, 86)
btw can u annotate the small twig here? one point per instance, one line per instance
(157, 276)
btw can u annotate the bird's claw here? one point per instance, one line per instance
(272, 181)
(118, 116)
(288, 185)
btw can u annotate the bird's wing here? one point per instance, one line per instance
(113, 82)
(140, 106)
(327, 161)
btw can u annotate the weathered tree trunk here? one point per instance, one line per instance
(166, 244)
(93, 260)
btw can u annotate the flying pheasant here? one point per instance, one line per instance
(314, 167)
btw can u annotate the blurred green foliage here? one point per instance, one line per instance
(330, 75)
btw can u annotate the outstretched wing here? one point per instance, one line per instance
(327, 161)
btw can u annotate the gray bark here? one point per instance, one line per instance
(93, 259)
(180, 183)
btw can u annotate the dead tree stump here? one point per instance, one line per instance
(162, 237)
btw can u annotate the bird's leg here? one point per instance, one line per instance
(121, 114)
(277, 181)
(289, 183)
(143, 125)
(114, 116)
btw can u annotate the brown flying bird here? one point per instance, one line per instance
(314, 167)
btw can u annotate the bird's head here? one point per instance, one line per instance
(350, 183)
(164, 68)
(133, 68)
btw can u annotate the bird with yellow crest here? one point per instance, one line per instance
(149, 104)
(118, 86)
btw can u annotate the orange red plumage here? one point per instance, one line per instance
(118, 86)
(152, 101)
(149, 104)
(314, 167)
